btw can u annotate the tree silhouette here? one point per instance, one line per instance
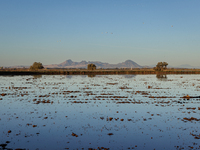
(91, 67)
(36, 66)
(165, 64)
(161, 66)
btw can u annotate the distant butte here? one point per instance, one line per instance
(83, 64)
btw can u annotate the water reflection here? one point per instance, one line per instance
(37, 76)
(69, 76)
(129, 76)
(91, 76)
(109, 111)
(74, 76)
(161, 77)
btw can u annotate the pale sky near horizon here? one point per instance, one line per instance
(145, 31)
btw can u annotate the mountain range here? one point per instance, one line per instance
(83, 64)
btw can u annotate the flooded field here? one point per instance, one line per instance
(100, 112)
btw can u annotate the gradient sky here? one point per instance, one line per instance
(145, 31)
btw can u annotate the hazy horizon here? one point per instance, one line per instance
(149, 65)
(143, 31)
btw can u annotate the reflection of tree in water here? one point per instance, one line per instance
(162, 77)
(129, 76)
(91, 75)
(37, 76)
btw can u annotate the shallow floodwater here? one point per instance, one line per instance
(99, 112)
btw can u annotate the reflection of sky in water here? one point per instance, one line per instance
(148, 122)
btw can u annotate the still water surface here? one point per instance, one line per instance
(107, 111)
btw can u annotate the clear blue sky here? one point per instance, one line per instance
(145, 31)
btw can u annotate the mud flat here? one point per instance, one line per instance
(100, 112)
